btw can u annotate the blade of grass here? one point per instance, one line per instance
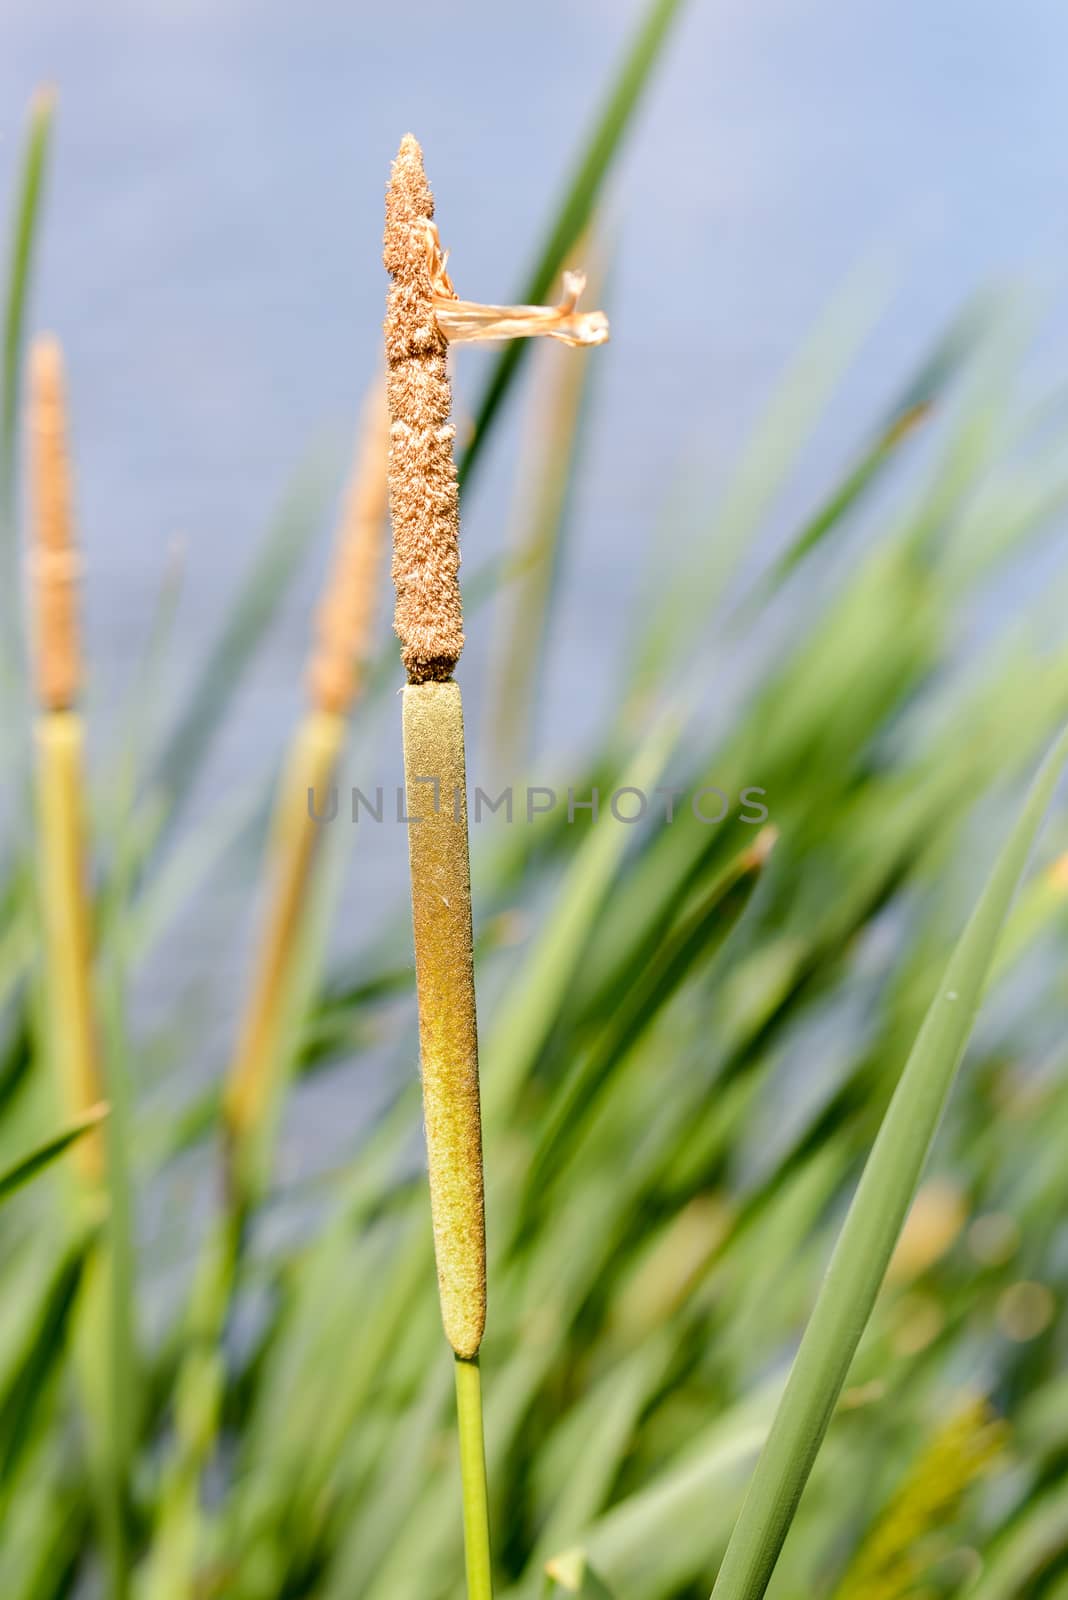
(771, 454)
(577, 206)
(699, 936)
(1031, 1546)
(519, 1033)
(602, 1430)
(638, 1537)
(45, 1353)
(46, 1531)
(35, 1161)
(921, 394)
(115, 1277)
(23, 236)
(874, 1221)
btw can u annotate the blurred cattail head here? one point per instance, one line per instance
(54, 565)
(345, 623)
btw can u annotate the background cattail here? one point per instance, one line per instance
(344, 637)
(59, 740)
(102, 1338)
(348, 609)
(53, 556)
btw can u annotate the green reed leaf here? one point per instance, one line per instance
(35, 1161)
(20, 270)
(874, 1220)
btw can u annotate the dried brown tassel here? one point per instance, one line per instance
(423, 315)
(468, 320)
(423, 494)
(54, 564)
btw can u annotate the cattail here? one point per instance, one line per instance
(423, 314)
(344, 637)
(348, 610)
(54, 557)
(102, 1338)
(60, 754)
(342, 645)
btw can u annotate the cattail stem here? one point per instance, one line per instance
(344, 634)
(341, 646)
(250, 1109)
(60, 754)
(103, 1336)
(65, 915)
(423, 314)
(35, 165)
(473, 1475)
(252, 1088)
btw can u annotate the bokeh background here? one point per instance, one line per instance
(212, 264)
(213, 252)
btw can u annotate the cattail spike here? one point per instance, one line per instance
(54, 557)
(60, 741)
(424, 507)
(346, 618)
(253, 1083)
(423, 496)
(408, 200)
(448, 1036)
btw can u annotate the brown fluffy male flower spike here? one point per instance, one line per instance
(55, 558)
(423, 494)
(424, 316)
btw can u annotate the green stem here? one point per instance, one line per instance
(473, 1478)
